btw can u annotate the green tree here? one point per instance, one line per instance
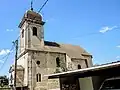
(4, 81)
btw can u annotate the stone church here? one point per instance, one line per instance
(38, 57)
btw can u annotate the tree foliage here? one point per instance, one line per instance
(4, 81)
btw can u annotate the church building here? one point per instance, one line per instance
(38, 57)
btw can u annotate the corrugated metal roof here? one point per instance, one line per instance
(107, 63)
(81, 71)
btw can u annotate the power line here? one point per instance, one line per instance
(4, 57)
(43, 6)
(87, 34)
(20, 35)
(34, 17)
(7, 57)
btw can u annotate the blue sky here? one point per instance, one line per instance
(92, 24)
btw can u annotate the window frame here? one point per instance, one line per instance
(34, 30)
(58, 62)
(23, 33)
(38, 77)
(38, 62)
(79, 66)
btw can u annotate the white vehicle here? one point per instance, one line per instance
(111, 84)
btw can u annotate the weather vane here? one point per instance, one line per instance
(32, 5)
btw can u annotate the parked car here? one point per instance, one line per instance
(111, 84)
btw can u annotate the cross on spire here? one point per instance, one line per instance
(32, 5)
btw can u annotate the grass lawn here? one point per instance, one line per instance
(5, 88)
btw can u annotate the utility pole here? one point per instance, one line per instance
(15, 67)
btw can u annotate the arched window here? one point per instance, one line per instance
(38, 77)
(58, 62)
(79, 66)
(34, 31)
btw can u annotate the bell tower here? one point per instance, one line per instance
(31, 31)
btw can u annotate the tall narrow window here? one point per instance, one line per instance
(38, 77)
(22, 33)
(86, 63)
(58, 62)
(79, 66)
(34, 31)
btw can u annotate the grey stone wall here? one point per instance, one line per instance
(19, 78)
(76, 62)
(47, 66)
(23, 61)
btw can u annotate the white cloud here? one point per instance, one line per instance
(9, 30)
(118, 46)
(106, 29)
(1, 61)
(4, 52)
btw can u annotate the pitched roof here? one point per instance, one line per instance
(33, 17)
(72, 51)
